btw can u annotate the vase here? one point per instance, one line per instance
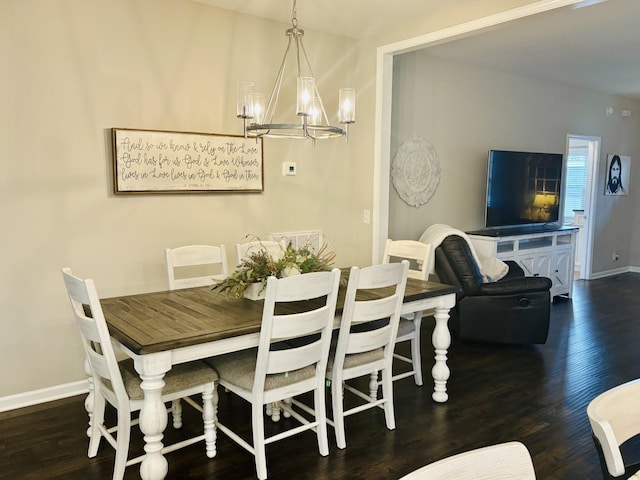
(255, 291)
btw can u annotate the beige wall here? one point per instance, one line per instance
(72, 69)
(464, 111)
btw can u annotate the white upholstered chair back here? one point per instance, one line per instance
(504, 461)
(614, 416)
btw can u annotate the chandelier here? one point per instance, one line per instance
(313, 123)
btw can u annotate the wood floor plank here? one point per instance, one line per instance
(534, 394)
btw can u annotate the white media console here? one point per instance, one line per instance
(545, 254)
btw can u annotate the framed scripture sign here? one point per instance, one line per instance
(153, 161)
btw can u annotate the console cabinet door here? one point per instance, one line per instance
(561, 270)
(538, 265)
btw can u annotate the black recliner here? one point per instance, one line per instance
(513, 310)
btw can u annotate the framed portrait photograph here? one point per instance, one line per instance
(617, 175)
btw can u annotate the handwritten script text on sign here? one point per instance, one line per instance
(169, 161)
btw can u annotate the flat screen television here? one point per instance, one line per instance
(523, 188)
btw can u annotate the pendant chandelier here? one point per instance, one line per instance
(313, 122)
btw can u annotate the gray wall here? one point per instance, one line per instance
(464, 111)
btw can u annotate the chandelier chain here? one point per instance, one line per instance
(294, 15)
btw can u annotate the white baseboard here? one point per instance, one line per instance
(34, 397)
(615, 271)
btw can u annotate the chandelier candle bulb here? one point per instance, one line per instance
(243, 106)
(306, 91)
(257, 108)
(347, 100)
(315, 116)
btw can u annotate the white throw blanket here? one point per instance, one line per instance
(491, 268)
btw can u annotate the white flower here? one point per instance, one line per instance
(290, 270)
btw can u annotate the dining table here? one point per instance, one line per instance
(165, 328)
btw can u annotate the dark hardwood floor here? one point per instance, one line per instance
(535, 394)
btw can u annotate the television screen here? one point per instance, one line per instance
(523, 188)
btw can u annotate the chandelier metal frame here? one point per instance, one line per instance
(314, 122)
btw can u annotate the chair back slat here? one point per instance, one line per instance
(298, 324)
(208, 257)
(360, 342)
(365, 311)
(281, 361)
(418, 254)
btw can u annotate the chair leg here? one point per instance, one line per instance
(257, 422)
(321, 418)
(96, 419)
(176, 413)
(275, 411)
(122, 442)
(387, 394)
(416, 359)
(209, 411)
(88, 402)
(337, 399)
(373, 385)
(286, 402)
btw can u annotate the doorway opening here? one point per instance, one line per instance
(579, 198)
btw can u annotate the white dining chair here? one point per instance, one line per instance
(279, 369)
(314, 239)
(365, 342)
(118, 383)
(198, 258)
(418, 254)
(614, 416)
(504, 461)
(275, 248)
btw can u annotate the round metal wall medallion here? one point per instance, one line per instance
(415, 171)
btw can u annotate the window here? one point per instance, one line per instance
(576, 183)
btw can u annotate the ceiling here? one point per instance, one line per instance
(596, 46)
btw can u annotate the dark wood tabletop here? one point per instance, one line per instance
(158, 321)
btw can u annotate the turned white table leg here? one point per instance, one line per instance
(153, 414)
(441, 341)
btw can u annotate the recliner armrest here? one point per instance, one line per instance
(519, 285)
(515, 270)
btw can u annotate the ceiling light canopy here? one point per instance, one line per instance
(313, 122)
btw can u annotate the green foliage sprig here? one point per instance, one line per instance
(260, 265)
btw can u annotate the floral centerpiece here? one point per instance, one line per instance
(259, 265)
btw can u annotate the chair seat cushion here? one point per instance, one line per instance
(239, 368)
(180, 377)
(356, 359)
(406, 326)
